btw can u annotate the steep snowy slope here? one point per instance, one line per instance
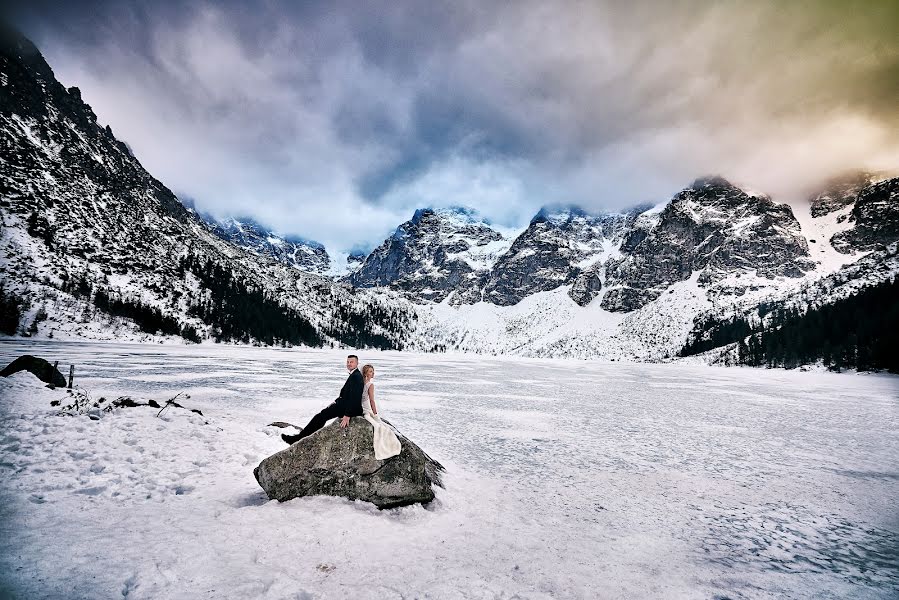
(825, 214)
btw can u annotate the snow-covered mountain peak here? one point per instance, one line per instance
(558, 244)
(246, 232)
(463, 215)
(713, 189)
(558, 214)
(714, 227)
(439, 252)
(841, 190)
(711, 181)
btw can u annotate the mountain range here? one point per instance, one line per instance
(94, 247)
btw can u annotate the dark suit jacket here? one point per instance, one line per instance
(349, 403)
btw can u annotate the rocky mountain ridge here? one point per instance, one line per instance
(93, 246)
(712, 227)
(304, 255)
(735, 240)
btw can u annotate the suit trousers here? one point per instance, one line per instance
(318, 421)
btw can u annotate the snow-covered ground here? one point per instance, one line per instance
(566, 479)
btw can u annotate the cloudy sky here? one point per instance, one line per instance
(335, 120)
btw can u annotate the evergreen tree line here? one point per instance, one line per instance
(78, 286)
(860, 332)
(39, 227)
(239, 312)
(10, 312)
(714, 333)
(355, 326)
(148, 318)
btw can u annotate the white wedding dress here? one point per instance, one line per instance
(386, 442)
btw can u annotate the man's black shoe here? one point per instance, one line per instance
(290, 439)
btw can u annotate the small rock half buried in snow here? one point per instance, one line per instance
(341, 462)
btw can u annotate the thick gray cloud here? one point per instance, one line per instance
(334, 121)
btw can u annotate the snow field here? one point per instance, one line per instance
(566, 479)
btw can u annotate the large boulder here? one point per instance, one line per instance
(341, 462)
(38, 367)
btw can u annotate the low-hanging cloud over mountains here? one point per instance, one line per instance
(335, 120)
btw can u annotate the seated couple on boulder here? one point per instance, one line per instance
(357, 399)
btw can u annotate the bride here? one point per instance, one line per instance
(386, 442)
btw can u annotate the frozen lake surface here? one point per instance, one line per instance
(565, 479)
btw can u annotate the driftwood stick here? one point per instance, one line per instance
(71, 375)
(170, 402)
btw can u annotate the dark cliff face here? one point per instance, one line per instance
(436, 254)
(551, 253)
(874, 218)
(839, 192)
(49, 129)
(72, 180)
(713, 227)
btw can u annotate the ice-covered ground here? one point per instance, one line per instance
(565, 479)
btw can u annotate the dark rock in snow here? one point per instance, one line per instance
(341, 462)
(283, 424)
(587, 286)
(38, 367)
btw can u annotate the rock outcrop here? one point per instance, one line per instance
(38, 367)
(587, 285)
(874, 218)
(341, 462)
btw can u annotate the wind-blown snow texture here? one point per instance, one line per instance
(566, 479)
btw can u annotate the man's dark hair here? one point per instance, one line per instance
(353, 356)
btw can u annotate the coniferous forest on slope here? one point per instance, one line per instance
(859, 332)
(236, 311)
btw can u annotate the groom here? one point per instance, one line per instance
(348, 404)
